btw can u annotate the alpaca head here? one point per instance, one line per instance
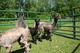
(37, 22)
(20, 14)
(57, 16)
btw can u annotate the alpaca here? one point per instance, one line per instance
(20, 23)
(20, 33)
(48, 27)
(9, 37)
(34, 31)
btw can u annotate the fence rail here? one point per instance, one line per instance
(22, 11)
(24, 18)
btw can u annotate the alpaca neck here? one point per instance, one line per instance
(21, 22)
(21, 18)
(55, 22)
(36, 27)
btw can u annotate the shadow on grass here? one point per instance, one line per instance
(43, 37)
(70, 38)
(18, 51)
(76, 48)
(67, 36)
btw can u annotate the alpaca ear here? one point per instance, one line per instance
(20, 14)
(56, 15)
(35, 20)
(38, 19)
(17, 14)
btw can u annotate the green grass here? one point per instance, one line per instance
(58, 45)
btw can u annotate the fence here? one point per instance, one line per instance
(68, 26)
(8, 22)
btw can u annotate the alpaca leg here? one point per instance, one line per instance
(49, 36)
(26, 51)
(27, 47)
(34, 37)
(8, 48)
(21, 44)
(27, 43)
(44, 35)
(41, 33)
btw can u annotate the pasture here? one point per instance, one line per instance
(58, 45)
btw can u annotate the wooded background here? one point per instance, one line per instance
(37, 6)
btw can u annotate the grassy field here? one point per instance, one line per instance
(58, 45)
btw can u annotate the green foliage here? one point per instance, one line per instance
(37, 6)
(65, 4)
